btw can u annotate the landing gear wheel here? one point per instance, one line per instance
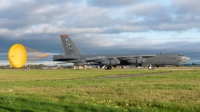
(108, 67)
(150, 67)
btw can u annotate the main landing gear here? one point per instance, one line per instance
(108, 67)
(150, 67)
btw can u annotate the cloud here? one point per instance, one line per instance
(146, 9)
(4, 4)
(111, 3)
(186, 6)
(136, 26)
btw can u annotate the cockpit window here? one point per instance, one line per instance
(180, 55)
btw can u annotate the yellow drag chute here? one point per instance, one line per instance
(17, 55)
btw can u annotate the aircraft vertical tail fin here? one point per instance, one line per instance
(69, 47)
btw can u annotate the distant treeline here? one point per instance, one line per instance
(39, 66)
(42, 66)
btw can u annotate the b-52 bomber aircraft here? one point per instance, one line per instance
(72, 54)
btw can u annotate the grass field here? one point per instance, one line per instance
(137, 90)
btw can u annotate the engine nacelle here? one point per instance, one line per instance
(111, 62)
(137, 61)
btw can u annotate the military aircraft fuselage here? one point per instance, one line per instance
(72, 54)
(125, 59)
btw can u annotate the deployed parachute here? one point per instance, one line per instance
(18, 55)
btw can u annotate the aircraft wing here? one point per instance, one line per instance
(95, 59)
(145, 56)
(128, 57)
(131, 57)
(135, 56)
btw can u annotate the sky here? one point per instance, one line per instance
(102, 26)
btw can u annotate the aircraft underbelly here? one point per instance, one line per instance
(124, 63)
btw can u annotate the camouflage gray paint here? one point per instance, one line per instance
(72, 54)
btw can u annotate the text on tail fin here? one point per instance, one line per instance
(69, 47)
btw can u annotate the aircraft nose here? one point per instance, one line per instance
(185, 59)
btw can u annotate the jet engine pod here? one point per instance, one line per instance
(111, 62)
(17, 55)
(137, 61)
